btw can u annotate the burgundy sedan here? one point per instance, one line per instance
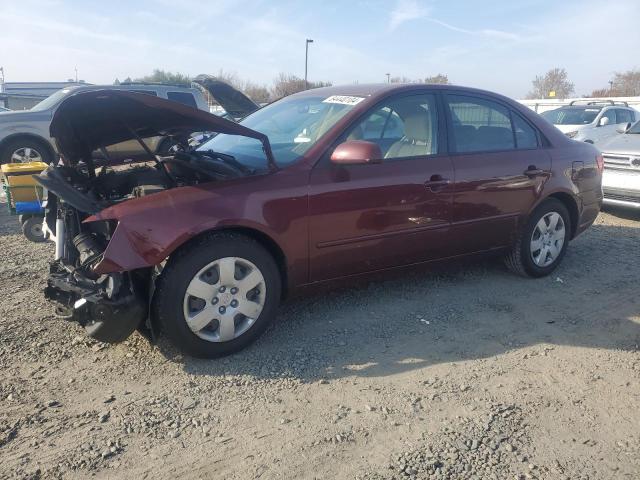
(321, 185)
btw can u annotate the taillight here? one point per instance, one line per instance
(600, 162)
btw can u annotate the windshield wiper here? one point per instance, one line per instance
(230, 160)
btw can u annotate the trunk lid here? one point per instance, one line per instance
(236, 103)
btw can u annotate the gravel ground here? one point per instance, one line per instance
(457, 372)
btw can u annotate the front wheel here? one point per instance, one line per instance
(542, 244)
(218, 296)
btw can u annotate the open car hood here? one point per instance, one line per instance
(89, 120)
(235, 103)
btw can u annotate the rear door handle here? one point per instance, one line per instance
(533, 171)
(437, 182)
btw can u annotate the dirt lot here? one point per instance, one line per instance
(458, 372)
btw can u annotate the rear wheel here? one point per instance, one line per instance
(218, 296)
(23, 150)
(543, 242)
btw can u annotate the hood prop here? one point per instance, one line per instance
(266, 147)
(146, 148)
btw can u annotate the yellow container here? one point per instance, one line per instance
(32, 168)
(19, 182)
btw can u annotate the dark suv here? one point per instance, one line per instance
(321, 185)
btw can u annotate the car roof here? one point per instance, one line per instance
(382, 89)
(130, 86)
(583, 107)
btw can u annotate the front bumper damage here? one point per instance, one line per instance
(109, 307)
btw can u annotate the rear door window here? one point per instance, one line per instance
(183, 97)
(479, 125)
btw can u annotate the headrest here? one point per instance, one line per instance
(417, 126)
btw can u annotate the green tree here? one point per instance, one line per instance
(440, 79)
(160, 76)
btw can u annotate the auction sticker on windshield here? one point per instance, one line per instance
(343, 99)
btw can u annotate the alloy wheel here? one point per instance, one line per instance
(224, 299)
(547, 239)
(26, 154)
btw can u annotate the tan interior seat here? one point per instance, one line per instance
(417, 138)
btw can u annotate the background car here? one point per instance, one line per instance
(621, 179)
(591, 122)
(24, 135)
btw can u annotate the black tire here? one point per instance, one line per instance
(32, 229)
(167, 304)
(25, 142)
(23, 218)
(519, 260)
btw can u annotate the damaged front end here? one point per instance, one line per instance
(110, 306)
(110, 298)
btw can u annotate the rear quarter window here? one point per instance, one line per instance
(526, 135)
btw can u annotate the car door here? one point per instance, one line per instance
(500, 169)
(602, 132)
(385, 214)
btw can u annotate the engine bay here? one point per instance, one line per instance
(110, 306)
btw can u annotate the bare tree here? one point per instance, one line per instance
(438, 79)
(601, 92)
(553, 84)
(257, 93)
(626, 84)
(288, 84)
(231, 78)
(401, 79)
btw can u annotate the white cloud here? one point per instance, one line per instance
(486, 32)
(404, 11)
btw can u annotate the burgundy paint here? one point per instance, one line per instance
(333, 220)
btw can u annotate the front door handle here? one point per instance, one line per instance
(533, 171)
(436, 183)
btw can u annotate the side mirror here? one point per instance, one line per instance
(356, 152)
(624, 127)
(603, 121)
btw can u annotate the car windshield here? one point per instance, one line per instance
(572, 116)
(51, 100)
(293, 125)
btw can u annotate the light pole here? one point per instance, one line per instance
(306, 61)
(388, 77)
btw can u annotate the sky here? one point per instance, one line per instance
(496, 45)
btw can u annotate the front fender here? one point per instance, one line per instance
(150, 228)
